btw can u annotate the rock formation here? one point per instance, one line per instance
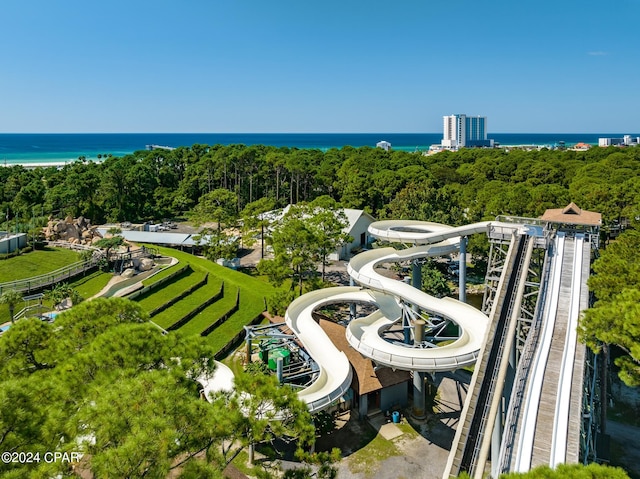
(78, 231)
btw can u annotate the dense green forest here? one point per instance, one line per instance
(103, 382)
(222, 183)
(450, 187)
(218, 184)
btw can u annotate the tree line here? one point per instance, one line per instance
(450, 187)
(103, 381)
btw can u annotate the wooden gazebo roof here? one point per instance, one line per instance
(572, 214)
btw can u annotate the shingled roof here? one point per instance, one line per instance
(367, 379)
(572, 214)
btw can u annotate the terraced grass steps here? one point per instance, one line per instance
(229, 330)
(253, 294)
(201, 321)
(184, 294)
(172, 290)
(209, 329)
(180, 309)
(166, 271)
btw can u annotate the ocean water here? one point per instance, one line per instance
(16, 148)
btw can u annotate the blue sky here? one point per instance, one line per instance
(326, 66)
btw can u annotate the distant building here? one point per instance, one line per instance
(626, 140)
(581, 146)
(357, 227)
(12, 242)
(462, 131)
(385, 145)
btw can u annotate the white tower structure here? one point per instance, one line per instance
(462, 130)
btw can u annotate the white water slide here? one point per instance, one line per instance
(365, 334)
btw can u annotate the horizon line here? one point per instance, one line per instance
(293, 133)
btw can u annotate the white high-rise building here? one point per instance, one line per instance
(461, 130)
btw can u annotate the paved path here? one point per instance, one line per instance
(425, 456)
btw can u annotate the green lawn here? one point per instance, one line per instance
(227, 330)
(253, 292)
(166, 271)
(170, 315)
(209, 315)
(44, 261)
(87, 286)
(36, 263)
(91, 284)
(170, 290)
(254, 288)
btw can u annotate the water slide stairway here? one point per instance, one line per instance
(545, 410)
(471, 444)
(550, 444)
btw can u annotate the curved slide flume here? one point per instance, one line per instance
(386, 294)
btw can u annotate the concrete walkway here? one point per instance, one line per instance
(421, 457)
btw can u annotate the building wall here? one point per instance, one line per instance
(12, 243)
(394, 397)
(462, 130)
(461, 134)
(359, 229)
(476, 128)
(449, 132)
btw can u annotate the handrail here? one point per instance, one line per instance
(40, 281)
(27, 309)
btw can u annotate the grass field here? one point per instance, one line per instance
(169, 316)
(166, 271)
(44, 261)
(36, 263)
(169, 291)
(253, 292)
(91, 284)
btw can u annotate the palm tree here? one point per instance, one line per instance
(60, 292)
(11, 298)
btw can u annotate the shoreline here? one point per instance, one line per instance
(43, 163)
(57, 150)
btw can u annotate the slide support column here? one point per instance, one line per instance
(352, 306)
(419, 393)
(280, 369)
(462, 278)
(416, 274)
(496, 440)
(419, 398)
(248, 342)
